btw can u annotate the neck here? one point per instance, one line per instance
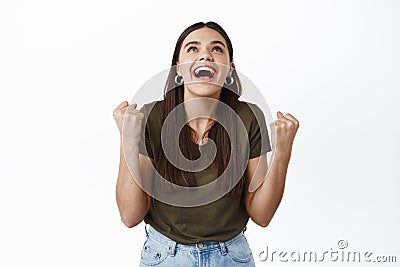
(200, 110)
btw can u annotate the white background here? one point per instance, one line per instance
(65, 66)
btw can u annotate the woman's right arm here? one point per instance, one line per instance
(133, 202)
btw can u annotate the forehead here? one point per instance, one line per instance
(204, 35)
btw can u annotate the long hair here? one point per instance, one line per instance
(173, 96)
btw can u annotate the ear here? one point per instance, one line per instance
(232, 68)
(177, 68)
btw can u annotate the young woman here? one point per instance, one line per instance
(210, 233)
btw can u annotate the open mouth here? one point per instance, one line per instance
(204, 73)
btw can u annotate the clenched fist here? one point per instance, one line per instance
(129, 119)
(283, 132)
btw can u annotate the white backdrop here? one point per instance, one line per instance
(65, 66)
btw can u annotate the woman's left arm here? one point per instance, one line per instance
(264, 188)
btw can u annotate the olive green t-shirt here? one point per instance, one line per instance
(219, 220)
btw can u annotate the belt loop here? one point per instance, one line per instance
(171, 248)
(223, 247)
(147, 233)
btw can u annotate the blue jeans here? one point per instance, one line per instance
(159, 250)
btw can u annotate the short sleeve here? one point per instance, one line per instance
(258, 134)
(145, 146)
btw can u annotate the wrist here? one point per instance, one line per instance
(133, 141)
(280, 154)
(132, 147)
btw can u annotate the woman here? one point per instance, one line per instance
(212, 233)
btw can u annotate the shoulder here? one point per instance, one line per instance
(153, 106)
(248, 111)
(153, 112)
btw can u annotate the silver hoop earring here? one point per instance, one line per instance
(180, 81)
(231, 80)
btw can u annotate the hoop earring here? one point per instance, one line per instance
(180, 82)
(231, 80)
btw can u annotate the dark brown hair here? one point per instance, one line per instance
(173, 96)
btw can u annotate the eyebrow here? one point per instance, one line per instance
(198, 43)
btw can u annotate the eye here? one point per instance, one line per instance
(218, 48)
(191, 49)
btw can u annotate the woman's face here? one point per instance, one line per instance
(204, 63)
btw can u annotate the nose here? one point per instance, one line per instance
(206, 57)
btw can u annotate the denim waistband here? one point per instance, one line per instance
(172, 245)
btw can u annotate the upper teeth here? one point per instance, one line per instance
(204, 68)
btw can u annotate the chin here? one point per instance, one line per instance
(204, 89)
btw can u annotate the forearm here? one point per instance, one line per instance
(268, 196)
(131, 199)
